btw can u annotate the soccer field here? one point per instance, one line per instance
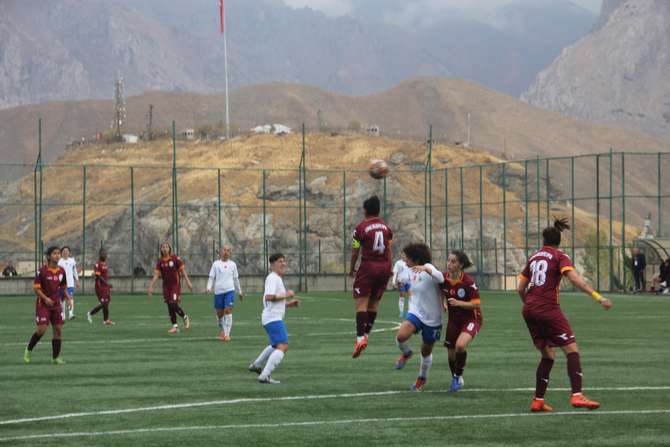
(135, 384)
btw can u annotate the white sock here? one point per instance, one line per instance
(260, 361)
(401, 305)
(404, 347)
(227, 323)
(425, 365)
(274, 361)
(72, 309)
(222, 322)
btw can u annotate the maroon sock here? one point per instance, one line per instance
(452, 366)
(575, 372)
(105, 312)
(96, 309)
(459, 364)
(361, 323)
(372, 316)
(542, 377)
(33, 341)
(55, 346)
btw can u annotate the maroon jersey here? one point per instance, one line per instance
(170, 269)
(373, 237)
(51, 281)
(101, 272)
(463, 289)
(544, 270)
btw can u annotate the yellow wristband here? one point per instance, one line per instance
(596, 296)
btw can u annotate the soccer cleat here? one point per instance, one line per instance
(108, 323)
(268, 380)
(461, 382)
(222, 337)
(187, 322)
(400, 363)
(578, 400)
(71, 317)
(255, 369)
(89, 318)
(538, 406)
(455, 384)
(418, 385)
(360, 347)
(26, 356)
(173, 330)
(58, 361)
(226, 338)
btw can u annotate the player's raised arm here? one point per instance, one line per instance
(582, 285)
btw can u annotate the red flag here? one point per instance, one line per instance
(221, 14)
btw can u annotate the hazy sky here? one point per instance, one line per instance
(476, 8)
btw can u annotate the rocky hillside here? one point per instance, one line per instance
(618, 74)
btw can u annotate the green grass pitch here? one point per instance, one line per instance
(191, 389)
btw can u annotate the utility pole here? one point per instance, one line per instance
(150, 121)
(119, 109)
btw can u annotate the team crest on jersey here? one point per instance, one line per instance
(461, 293)
(171, 264)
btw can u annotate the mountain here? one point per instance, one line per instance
(618, 74)
(75, 49)
(499, 123)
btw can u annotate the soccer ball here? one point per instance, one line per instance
(378, 169)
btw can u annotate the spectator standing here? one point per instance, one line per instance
(639, 265)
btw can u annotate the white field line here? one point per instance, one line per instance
(334, 422)
(298, 398)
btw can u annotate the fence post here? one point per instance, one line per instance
(428, 192)
(598, 222)
(546, 192)
(537, 190)
(611, 241)
(504, 191)
(175, 197)
(344, 229)
(572, 206)
(385, 204)
(265, 244)
(132, 229)
(218, 203)
(525, 198)
(446, 214)
(659, 210)
(462, 213)
(83, 230)
(623, 219)
(481, 221)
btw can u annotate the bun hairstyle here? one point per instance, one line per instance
(552, 235)
(462, 258)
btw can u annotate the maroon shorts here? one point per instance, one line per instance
(45, 314)
(372, 279)
(104, 296)
(457, 326)
(548, 328)
(171, 296)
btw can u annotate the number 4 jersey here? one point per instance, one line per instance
(373, 237)
(544, 270)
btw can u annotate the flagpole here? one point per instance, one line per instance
(225, 57)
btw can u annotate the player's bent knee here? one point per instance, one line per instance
(282, 347)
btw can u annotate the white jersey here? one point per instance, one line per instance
(70, 267)
(426, 299)
(223, 276)
(401, 273)
(273, 310)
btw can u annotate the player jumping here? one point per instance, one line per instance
(538, 287)
(372, 239)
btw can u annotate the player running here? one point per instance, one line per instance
(49, 284)
(225, 279)
(465, 317)
(538, 287)
(275, 301)
(401, 281)
(425, 310)
(372, 239)
(103, 290)
(69, 264)
(171, 268)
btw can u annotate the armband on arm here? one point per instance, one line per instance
(596, 296)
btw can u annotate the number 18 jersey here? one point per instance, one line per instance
(544, 270)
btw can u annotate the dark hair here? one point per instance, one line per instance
(51, 250)
(372, 206)
(552, 235)
(275, 257)
(418, 253)
(102, 250)
(64, 247)
(462, 258)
